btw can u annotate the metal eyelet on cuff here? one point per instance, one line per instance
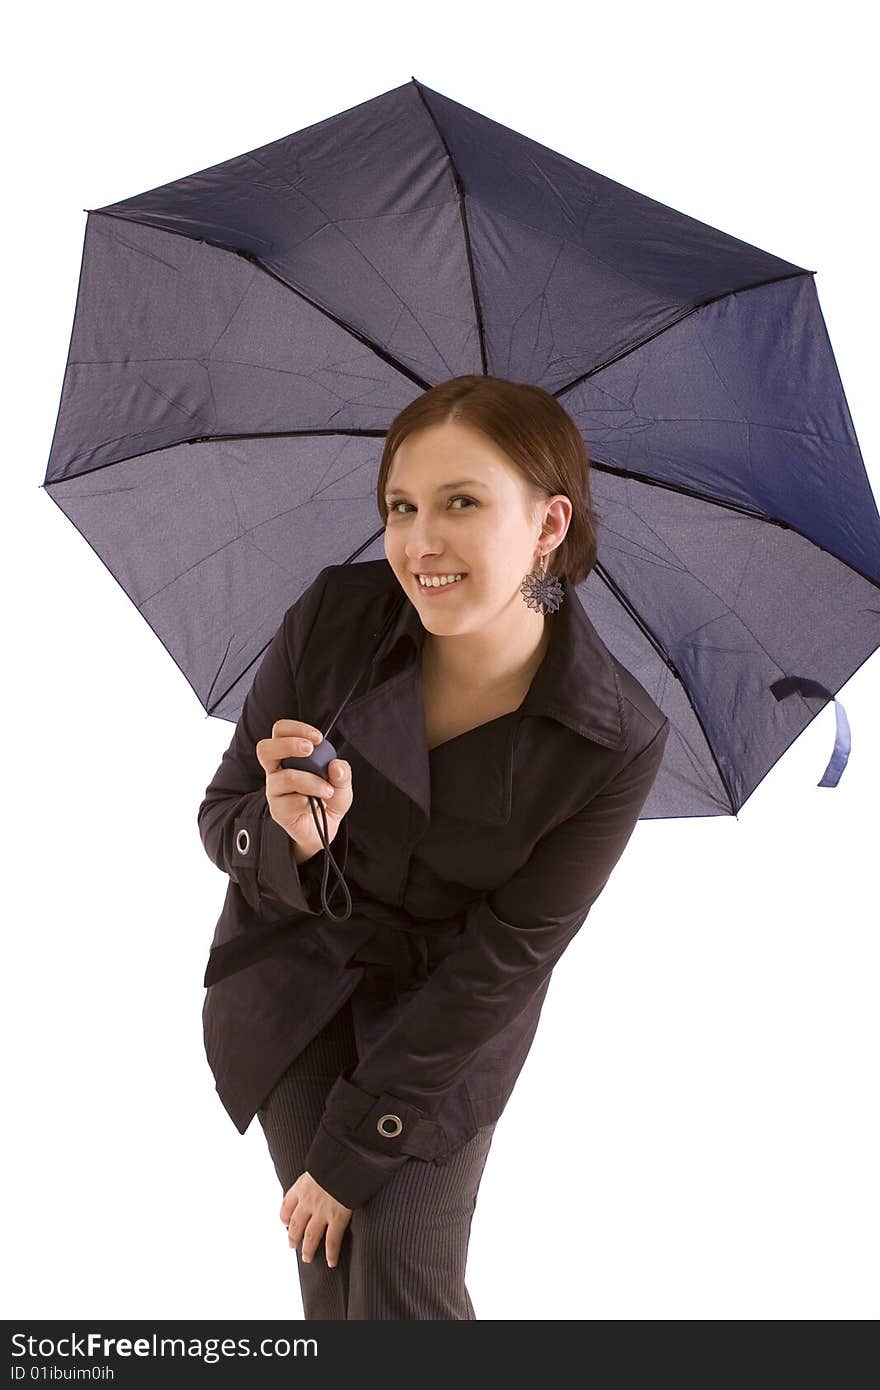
(389, 1133)
(242, 841)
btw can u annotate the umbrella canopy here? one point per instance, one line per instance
(244, 336)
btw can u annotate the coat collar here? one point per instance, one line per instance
(576, 685)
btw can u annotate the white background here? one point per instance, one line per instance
(694, 1135)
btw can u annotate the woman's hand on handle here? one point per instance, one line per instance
(288, 788)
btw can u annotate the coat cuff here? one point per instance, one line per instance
(348, 1172)
(263, 862)
(363, 1139)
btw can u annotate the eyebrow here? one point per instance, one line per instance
(444, 487)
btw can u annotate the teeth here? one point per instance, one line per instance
(436, 581)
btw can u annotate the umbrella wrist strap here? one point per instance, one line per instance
(321, 826)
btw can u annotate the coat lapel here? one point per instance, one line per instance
(386, 724)
(576, 684)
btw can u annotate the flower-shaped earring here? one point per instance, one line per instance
(542, 591)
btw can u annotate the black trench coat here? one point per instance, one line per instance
(490, 849)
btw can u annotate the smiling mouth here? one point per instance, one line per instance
(431, 588)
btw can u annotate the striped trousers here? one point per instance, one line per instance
(404, 1252)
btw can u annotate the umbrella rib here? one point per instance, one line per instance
(624, 602)
(353, 432)
(596, 464)
(462, 211)
(731, 507)
(217, 674)
(683, 314)
(347, 561)
(248, 256)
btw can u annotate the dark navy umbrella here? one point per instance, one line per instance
(244, 336)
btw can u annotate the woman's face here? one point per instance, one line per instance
(457, 505)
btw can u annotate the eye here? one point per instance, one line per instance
(459, 497)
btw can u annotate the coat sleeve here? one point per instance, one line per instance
(511, 942)
(261, 862)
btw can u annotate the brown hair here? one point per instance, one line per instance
(535, 432)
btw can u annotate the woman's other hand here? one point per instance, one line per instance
(308, 1211)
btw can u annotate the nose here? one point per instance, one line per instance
(423, 550)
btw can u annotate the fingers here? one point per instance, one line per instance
(294, 780)
(307, 1224)
(307, 1233)
(291, 738)
(311, 1238)
(290, 781)
(314, 1233)
(333, 1242)
(295, 728)
(289, 1205)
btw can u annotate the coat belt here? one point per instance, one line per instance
(395, 954)
(396, 951)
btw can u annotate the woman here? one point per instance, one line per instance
(488, 778)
